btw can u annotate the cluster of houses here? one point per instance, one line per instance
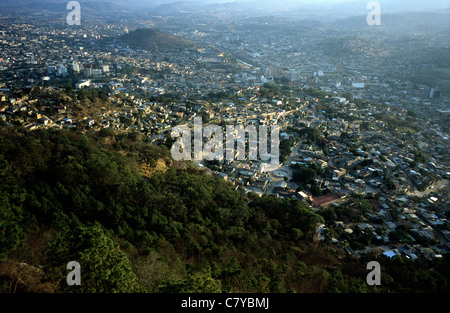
(357, 154)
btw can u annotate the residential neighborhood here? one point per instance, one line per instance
(375, 137)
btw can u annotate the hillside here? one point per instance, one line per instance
(155, 39)
(434, 78)
(404, 23)
(189, 227)
(90, 8)
(91, 198)
(175, 8)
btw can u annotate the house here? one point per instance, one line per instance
(321, 164)
(255, 190)
(389, 254)
(327, 199)
(338, 174)
(304, 196)
(90, 122)
(223, 176)
(44, 120)
(247, 173)
(277, 102)
(280, 184)
(66, 120)
(262, 182)
(84, 83)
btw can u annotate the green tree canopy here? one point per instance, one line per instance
(104, 267)
(11, 213)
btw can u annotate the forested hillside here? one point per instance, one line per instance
(155, 39)
(137, 221)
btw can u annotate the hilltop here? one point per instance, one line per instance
(155, 39)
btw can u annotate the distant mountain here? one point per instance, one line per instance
(131, 5)
(352, 45)
(320, 10)
(176, 8)
(155, 39)
(60, 6)
(407, 22)
(445, 10)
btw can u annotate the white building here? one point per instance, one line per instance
(358, 85)
(84, 83)
(76, 67)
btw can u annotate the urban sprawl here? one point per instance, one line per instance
(365, 134)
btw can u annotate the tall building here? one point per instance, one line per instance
(76, 67)
(61, 71)
(88, 71)
(435, 95)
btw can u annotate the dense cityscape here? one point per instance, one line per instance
(363, 113)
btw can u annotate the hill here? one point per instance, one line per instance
(89, 8)
(404, 23)
(87, 197)
(155, 39)
(439, 77)
(191, 230)
(175, 8)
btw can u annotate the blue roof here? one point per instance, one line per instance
(389, 254)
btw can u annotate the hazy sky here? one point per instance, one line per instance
(397, 4)
(348, 5)
(405, 2)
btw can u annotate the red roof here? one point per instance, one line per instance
(318, 201)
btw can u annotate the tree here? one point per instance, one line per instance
(302, 175)
(313, 134)
(11, 212)
(296, 234)
(316, 191)
(329, 214)
(104, 267)
(198, 282)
